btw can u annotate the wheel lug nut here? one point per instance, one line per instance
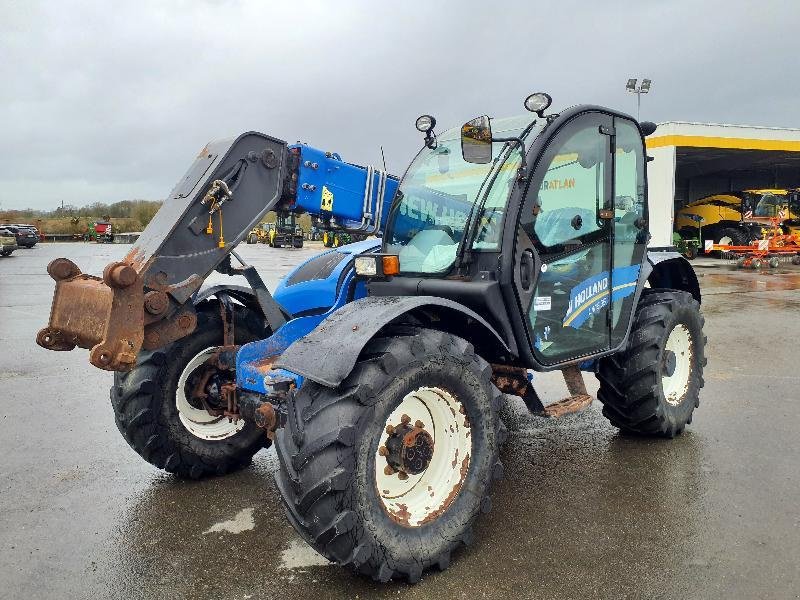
(419, 425)
(383, 451)
(402, 475)
(388, 470)
(390, 429)
(405, 419)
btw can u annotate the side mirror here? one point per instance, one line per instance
(476, 141)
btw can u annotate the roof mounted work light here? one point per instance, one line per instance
(425, 123)
(538, 103)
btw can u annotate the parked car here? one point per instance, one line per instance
(27, 226)
(27, 238)
(8, 242)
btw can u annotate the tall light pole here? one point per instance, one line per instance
(643, 88)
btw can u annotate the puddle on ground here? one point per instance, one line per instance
(242, 521)
(300, 555)
(744, 281)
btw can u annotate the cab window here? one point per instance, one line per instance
(768, 205)
(563, 203)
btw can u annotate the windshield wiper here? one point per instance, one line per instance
(464, 250)
(463, 256)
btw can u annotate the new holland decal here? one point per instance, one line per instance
(592, 295)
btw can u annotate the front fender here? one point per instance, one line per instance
(241, 293)
(328, 353)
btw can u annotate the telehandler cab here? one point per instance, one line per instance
(379, 369)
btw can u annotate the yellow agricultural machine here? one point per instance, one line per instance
(738, 218)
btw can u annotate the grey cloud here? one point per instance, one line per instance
(110, 101)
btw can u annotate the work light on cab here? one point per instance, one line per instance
(538, 103)
(425, 123)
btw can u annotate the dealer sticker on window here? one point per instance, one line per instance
(541, 303)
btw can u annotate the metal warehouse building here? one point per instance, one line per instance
(693, 160)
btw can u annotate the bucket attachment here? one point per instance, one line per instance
(144, 301)
(103, 315)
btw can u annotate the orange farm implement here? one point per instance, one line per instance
(775, 245)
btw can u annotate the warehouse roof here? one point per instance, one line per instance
(719, 135)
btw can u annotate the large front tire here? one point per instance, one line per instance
(653, 386)
(732, 236)
(160, 423)
(334, 480)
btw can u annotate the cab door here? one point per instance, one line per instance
(585, 238)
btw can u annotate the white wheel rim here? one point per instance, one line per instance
(198, 421)
(725, 241)
(676, 385)
(422, 498)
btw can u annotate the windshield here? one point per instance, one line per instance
(763, 203)
(769, 205)
(438, 192)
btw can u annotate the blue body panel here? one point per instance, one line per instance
(320, 297)
(343, 185)
(319, 294)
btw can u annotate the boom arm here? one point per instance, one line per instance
(143, 301)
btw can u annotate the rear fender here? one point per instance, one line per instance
(671, 270)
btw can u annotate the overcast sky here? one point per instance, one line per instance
(107, 101)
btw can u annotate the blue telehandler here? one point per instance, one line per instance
(379, 369)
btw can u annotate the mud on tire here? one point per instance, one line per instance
(632, 384)
(328, 457)
(145, 408)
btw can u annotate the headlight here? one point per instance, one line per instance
(425, 123)
(377, 265)
(366, 266)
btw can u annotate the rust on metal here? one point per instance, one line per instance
(267, 419)
(111, 316)
(510, 380)
(264, 365)
(103, 315)
(401, 516)
(155, 302)
(410, 438)
(164, 331)
(228, 331)
(451, 496)
(578, 399)
(119, 275)
(408, 449)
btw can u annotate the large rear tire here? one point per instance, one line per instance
(653, 386)
(159, 421)
(337, 445)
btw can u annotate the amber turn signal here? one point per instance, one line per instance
(391, 264)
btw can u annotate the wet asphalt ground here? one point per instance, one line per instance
(583, 512)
